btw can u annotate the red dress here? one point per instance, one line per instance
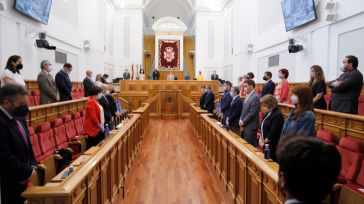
(92, 118)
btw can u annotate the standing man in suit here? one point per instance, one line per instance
(345, 90)
(88, 83)
(63, 82)
(47, 86)
(104, 78)
(126, 75)
(105, 104)
(214, 76)
(269, 85)
(16, 152)
(249, 117)
(203, 97)
(210, 100)
(155, 75)
(232, 119)
(226, 101)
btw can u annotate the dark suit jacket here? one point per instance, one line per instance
(209, 104)
(126, 76)
(103, 81)
(225, 103)
(272, 128)
(16, 158)
(107, 112)
(268, 88)
(64, 86)
(202, 100)
(112, 104)
(214, 77)
(345, 97)
(155, 75)
(47, 88)
(87, 84)
(250, 112)
(234, 112)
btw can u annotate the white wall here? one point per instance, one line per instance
(70, 23)
(213, 38)
(320, 39)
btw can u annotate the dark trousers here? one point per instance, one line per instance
(250, 136)
(93, 141)
(236, 130)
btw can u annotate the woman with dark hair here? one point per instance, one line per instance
(281, 92)
(250, 75)
(11, 74)
(318, 86)
(141, 74)
(301, 119)
(94, 119)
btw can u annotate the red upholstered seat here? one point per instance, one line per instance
(361, 105)
(35, 144)
(83, 114)
(360, 179)
(30, 100)
(46, 139)
(59, 131)
(351, 156)
(327, 99)
(70, 128)
(326, 136)
(36, 96)
(80, 92)
(78, 123)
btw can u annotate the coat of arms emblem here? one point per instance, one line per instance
(169, 54)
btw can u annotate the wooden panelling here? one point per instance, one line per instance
(33, 85)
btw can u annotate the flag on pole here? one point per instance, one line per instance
(132, 72)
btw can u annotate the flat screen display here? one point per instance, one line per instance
(37, 9)
(298, 12)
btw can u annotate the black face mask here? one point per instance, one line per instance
(19, 66)
(265, 78)
(21, 111)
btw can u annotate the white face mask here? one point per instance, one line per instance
(342, 68)
(294, 99)
(231, 94)
(49, 69)
(107, 92)
(99, 96)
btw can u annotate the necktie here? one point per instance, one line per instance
(21, 130)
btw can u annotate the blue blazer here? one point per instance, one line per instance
(17, 158)
(64, 86)
(209, 102)
(225, 103)
(303, 125)
(268, 88)
(234, 112)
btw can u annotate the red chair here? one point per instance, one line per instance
(80, 93)
(327, 99)
(78, 123)
(83, 114)
(36, 95)
(61, 139)
(351, 152)
(326, 136)
(74, 94)
(35, 144)
(46, 139)
(30, 100)
(72, 133)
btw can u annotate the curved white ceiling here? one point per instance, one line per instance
(182, 9)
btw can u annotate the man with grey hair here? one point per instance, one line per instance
(16, 152)
(126, 75)
(47, 86)
(88, 83)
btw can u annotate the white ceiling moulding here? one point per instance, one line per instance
(169, 24)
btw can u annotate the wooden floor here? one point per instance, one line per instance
(171, 168)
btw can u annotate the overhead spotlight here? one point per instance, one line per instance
(43, 43)
(293, 48)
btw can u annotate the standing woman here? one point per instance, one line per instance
(11, 74)
(141, 74)
(272, 124)
(318, 86)
(98, 82)
(242, 85)
(301, 119)
(281, 92)
(94, 119)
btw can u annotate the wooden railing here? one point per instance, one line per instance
(99, 174)
(242, 170)
(341, 124)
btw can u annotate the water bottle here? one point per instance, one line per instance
(107, 130)
(266, 152)
(70, 169)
